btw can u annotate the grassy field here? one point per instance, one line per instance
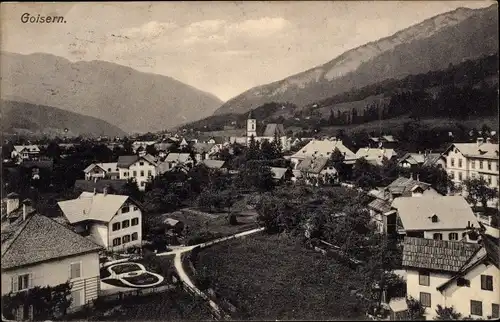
(271, 277)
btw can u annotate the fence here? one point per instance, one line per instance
(216, 312)
(137, 292)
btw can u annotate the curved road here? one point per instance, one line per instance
(178, 251)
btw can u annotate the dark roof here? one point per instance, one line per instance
(492, 246)
(404, 185)
(313, 164)
(43, 164)
(89, 185)
(40, 239)
(380, 205)
(432, 254)
(274, 129)
(431, 159)
(125, 161)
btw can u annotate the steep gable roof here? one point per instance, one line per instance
(484, 150)
(453, 212)
(404, 185)
(29, 148)
(323, 148)
(40, 239)
(178, 157)
(312, 165)
(213, 164)
(375, 154)
(124, 161)
(90, 206)
(443, 255)
(273, 129)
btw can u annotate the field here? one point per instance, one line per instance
(271, 277)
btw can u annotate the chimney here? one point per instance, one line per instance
(95, 191)
(488, 140)
(480, 141)
(418, 177)
(105, 191)
(24, 211)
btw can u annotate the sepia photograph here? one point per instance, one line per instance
(249, 160)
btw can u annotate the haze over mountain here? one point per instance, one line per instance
(29, 119)
(451, 37)
(131, 100)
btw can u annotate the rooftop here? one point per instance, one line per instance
(90, 206)
(312, 165)
(323, 148)
(452, 212)
(479, 150)
(39, 239)
(443, 255)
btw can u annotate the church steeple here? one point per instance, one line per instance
(250, 115)
(251, 125)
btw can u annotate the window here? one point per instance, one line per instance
(125, 174)
(135, 236)
(463, 282)
(476, 308)
(116, 226)
(495, 311)
(109, 169)
(142, 173)
(135, 208)
(434, 218)
(473, 164)
(489, 180)
(437, 236)
(21, 282)
(125, 209)
(135, 221)
(481, 164)
(460, 176)
(453, 236)
(459, 163)
(117, 241)
(143, 184)
(134, 173)
(424, 278)
(464, 234)
(425, 299)
(141, 163)
(126, 239)
(150, 173)
(125, 224)
(452, 161)
(75, 270)
(487, 282)
(452, 175)
(489, 165)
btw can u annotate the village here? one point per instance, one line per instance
(133, 227)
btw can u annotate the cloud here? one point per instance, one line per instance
(150, 30)
(259, 27)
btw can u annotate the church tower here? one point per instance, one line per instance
(251, 126)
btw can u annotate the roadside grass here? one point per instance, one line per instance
(271, 277)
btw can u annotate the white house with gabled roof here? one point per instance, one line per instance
(139, 168)
(323, 149)
(113, 221)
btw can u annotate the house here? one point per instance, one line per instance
(112, 185)
(473, 160)
(112, 221)
(202, 151)
(174, 159)
(38, 251)
(38, 168)
(139, 168)
(413, 160)
(376, 156)
(281, 174)
(25, 152)
(386, 141)
(317, 168)
(464, 276)
(435, 217)
(324, 149)
(381, 212)
(174, 225)
(214, 164)
(162, 149)
(141, 144)
(107, 170)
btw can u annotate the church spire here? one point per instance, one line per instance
(250, 115)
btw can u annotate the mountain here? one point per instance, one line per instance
(449, 38)
(132, 100)
(26, 118)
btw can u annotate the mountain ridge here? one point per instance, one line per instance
(322, 82)
(84, 87)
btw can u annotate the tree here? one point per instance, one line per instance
(253, 152)
(132, 190)
(150, 149)
(255, 175)
(447, 314)
(53, 150)
(478, 191)
(415, 309)
(267, 150)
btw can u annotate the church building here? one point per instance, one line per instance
(272, 131)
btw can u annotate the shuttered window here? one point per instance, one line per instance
(117, 241)
(135, 221)
(21, 282)
(495, 311)
(425, 299)
(424, 278)
(476, 308)
(135, 236)
(126, 239)
(75, 270)
(453, 236)
(487, 282)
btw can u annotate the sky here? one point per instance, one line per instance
(223, 48)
